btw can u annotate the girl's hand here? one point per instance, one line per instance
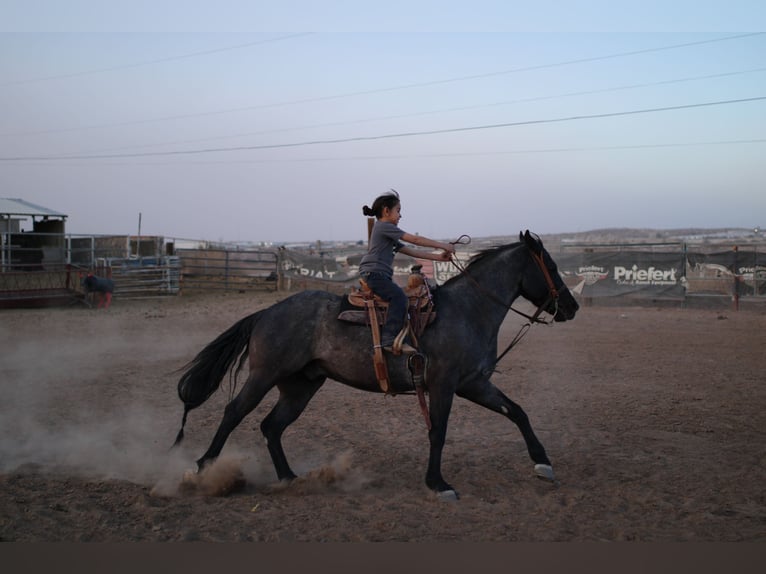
(445, 255)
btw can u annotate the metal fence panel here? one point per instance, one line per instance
(228, 269)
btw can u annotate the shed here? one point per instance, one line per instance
(44, 220)
(28, 249)
(33, 268)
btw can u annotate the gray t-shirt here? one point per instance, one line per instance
(384, 243)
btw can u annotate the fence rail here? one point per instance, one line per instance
(39, 287)
(212, 269)
(43, 268)
(143, 276)
(39, 266)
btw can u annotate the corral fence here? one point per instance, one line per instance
(50, 267)
(666, 271)
(39, 269)
(226, 269)
(681, 272)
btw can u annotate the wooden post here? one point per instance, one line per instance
(736, 278)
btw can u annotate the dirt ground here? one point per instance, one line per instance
(653, 418)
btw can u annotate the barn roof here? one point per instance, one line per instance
(18, 207)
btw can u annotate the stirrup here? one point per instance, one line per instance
(403, 349)
(399, 345)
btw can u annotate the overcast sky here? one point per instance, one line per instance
(277, 121)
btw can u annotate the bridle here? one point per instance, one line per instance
(553, 297)
(553, 293)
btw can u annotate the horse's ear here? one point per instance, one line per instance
(527, 238)
(531, 241)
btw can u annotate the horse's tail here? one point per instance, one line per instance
(203, 374)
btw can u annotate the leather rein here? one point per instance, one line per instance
(553, 296)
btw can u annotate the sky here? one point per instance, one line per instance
(276, 122)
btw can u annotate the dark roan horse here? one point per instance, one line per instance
(298, 343)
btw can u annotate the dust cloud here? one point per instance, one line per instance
(73, 403)
(77, 402)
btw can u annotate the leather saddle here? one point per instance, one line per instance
(363, 307)
(421, 308)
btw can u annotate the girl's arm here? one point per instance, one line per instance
(422, 254)
(425, 242)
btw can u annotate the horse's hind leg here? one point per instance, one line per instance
(488, 395)
(294, 395)
(246, 400)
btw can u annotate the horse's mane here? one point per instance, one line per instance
(483, 255)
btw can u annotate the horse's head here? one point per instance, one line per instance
(542, 284)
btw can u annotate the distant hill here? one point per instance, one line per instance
(680, 235)
(613, 235)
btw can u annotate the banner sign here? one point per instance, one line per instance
(636, 273)
(591, 274)
(748, 267)
(321, 267)
(326, 268)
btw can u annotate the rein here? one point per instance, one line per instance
(553, 295)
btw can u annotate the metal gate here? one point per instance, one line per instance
(236, 270)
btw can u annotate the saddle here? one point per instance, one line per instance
(363, 307)
(361, 302)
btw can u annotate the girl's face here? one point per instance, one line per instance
(392, 215)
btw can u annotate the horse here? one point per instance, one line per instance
(299, 342)
(101, 286)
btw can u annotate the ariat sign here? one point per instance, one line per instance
(644, 276)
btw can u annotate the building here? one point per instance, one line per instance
(36, 246)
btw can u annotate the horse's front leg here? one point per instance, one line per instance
(486, 394)
(439, 410)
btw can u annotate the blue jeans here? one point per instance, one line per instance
(397, 304)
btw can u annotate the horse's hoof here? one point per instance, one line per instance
(190, 481)
(190, 474)
(448, 495)
(545, 472)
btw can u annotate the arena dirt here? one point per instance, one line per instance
(653, 419)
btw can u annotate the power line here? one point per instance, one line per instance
(386, 136)
(603, 148)
(151, 62)
(394, 88)
(431, 155)
(496, 73)
(446, 154)
(443, 110)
